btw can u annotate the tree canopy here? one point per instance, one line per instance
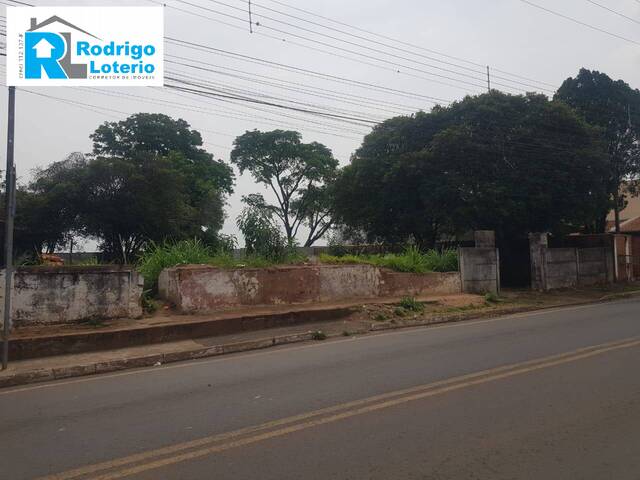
(508, 163)
(614, 107)
(148, 179)
(297, 173)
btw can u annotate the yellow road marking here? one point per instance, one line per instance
(231, 357)
(211, 445)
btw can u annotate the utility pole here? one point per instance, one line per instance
(488, 79)
(10, 211)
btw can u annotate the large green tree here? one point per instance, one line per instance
(614, 107)
(297, 173)
(513, 164)
(151, 179)
(148, 179)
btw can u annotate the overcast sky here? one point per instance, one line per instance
(509, 35)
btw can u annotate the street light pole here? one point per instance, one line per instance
(10, 198)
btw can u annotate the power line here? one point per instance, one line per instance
(313, 73)
(216, 93)
(302, 45)
(613, 11)
(277, 122)
(401, 42)
(266, 95)
(338, 131)
(297, 86)
(335, 38)
(392, 66)
(387, 45)
(396, 66)
(579, 22)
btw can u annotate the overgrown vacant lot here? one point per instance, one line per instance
(167, 255)
(187, 252)
(411, 261)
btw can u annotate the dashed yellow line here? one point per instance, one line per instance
(154, 459)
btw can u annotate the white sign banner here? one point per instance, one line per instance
(90, 46)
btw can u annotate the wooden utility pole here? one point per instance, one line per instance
(10, 211)
(488, 79)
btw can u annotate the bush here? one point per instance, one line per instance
(261, 235)
(319, 335)
(411, 304)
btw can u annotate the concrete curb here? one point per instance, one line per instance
(44, 375)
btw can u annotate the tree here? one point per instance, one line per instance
(57, 197)
(47, 214)
(298, 175)
(614, 107)
(134, 161)
(158, 134)
(262, 236)
(513, 164)
(129, 202)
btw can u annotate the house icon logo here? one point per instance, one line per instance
(49, 53)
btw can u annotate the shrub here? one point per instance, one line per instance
(411, 304)
(319, 335)
(261, 235)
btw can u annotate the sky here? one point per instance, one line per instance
(407, 52)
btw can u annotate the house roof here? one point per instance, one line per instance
(631, 225)
(55, 19)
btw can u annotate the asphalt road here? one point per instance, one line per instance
(550, 395)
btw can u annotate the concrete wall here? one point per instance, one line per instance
(480, 270)
(58, 295)
(195, 288)
(560, 268)
(595, 266)
(555, 268)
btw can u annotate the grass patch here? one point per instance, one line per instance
(170, 254)
(412, 305)
(411, 260)
(491, 297)
(400, 312)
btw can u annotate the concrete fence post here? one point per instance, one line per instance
(480, 265)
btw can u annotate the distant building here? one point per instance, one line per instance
(629, 217)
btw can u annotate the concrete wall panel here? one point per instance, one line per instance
(194, 288)
(59, 295)
(479, 270)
